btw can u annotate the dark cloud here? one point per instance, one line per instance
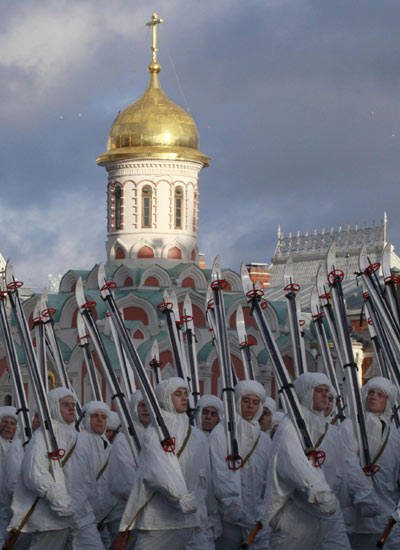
(296, 104)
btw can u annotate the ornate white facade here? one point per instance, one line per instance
(152, 210)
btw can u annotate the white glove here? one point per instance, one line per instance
(327, 502)
(188, 503)
(59, 501)
(368, 509)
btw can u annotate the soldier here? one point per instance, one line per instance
(301, 503)
(241, 493)
(373, 498)
(62, 512)
(168, 499)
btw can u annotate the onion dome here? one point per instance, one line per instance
(153, 127)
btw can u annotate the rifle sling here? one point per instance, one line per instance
(103, 469)
(251, 452)
(382, 448)
(17, 531)
(320, 440)
(178, 454)
(69, 454)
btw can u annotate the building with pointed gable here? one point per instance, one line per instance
(308, 252)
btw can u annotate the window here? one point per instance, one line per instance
(178, 208)
(146, 206)
(118, 208)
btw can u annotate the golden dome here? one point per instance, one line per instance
(153, 127)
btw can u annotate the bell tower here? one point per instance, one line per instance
(153, 163)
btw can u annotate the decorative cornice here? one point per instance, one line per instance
(159, 168)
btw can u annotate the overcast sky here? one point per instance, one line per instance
(297, 103)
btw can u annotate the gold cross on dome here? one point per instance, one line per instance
(155, 20)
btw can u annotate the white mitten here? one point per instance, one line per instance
(327, 502)
(59, 501)
(188, 503)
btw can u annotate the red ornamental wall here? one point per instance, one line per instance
(135, 314)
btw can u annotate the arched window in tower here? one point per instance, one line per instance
(146, 206)
(178, 208)
(118, 208)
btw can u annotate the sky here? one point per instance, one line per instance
(297, 103)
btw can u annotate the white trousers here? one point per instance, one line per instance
(201, 539)
(87, 537)
(56, 540)
(299, 530)
(163, 539)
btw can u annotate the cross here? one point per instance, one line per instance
(155, 20)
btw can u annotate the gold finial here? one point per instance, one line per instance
(154, 66)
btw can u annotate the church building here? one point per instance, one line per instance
(153, 164)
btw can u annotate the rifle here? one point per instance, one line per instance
(386, 532)
(121, 540)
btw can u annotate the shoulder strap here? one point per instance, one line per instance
(103, 469)
(382, 448)
(252, 451)
(69, 454)
(178, 454)
(320, 440)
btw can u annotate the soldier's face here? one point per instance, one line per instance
(67, 409)
(331, 404)
(320, 398)
(180, 400)
(209, 418)
(265, 420)
(376, 401)
(249, 405)
(143, 413)
(8, 427)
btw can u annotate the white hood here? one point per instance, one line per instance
(249, 387)
(384, 385)
(89, 409)
(54, 397)
(136, 397)
(270, 403)
(177, 423)
(8, 411)
(305, 384)
(113, 421)
(376, 435)
(248, 431)
(211, 401)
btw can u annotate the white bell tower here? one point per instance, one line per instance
(153, 163)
